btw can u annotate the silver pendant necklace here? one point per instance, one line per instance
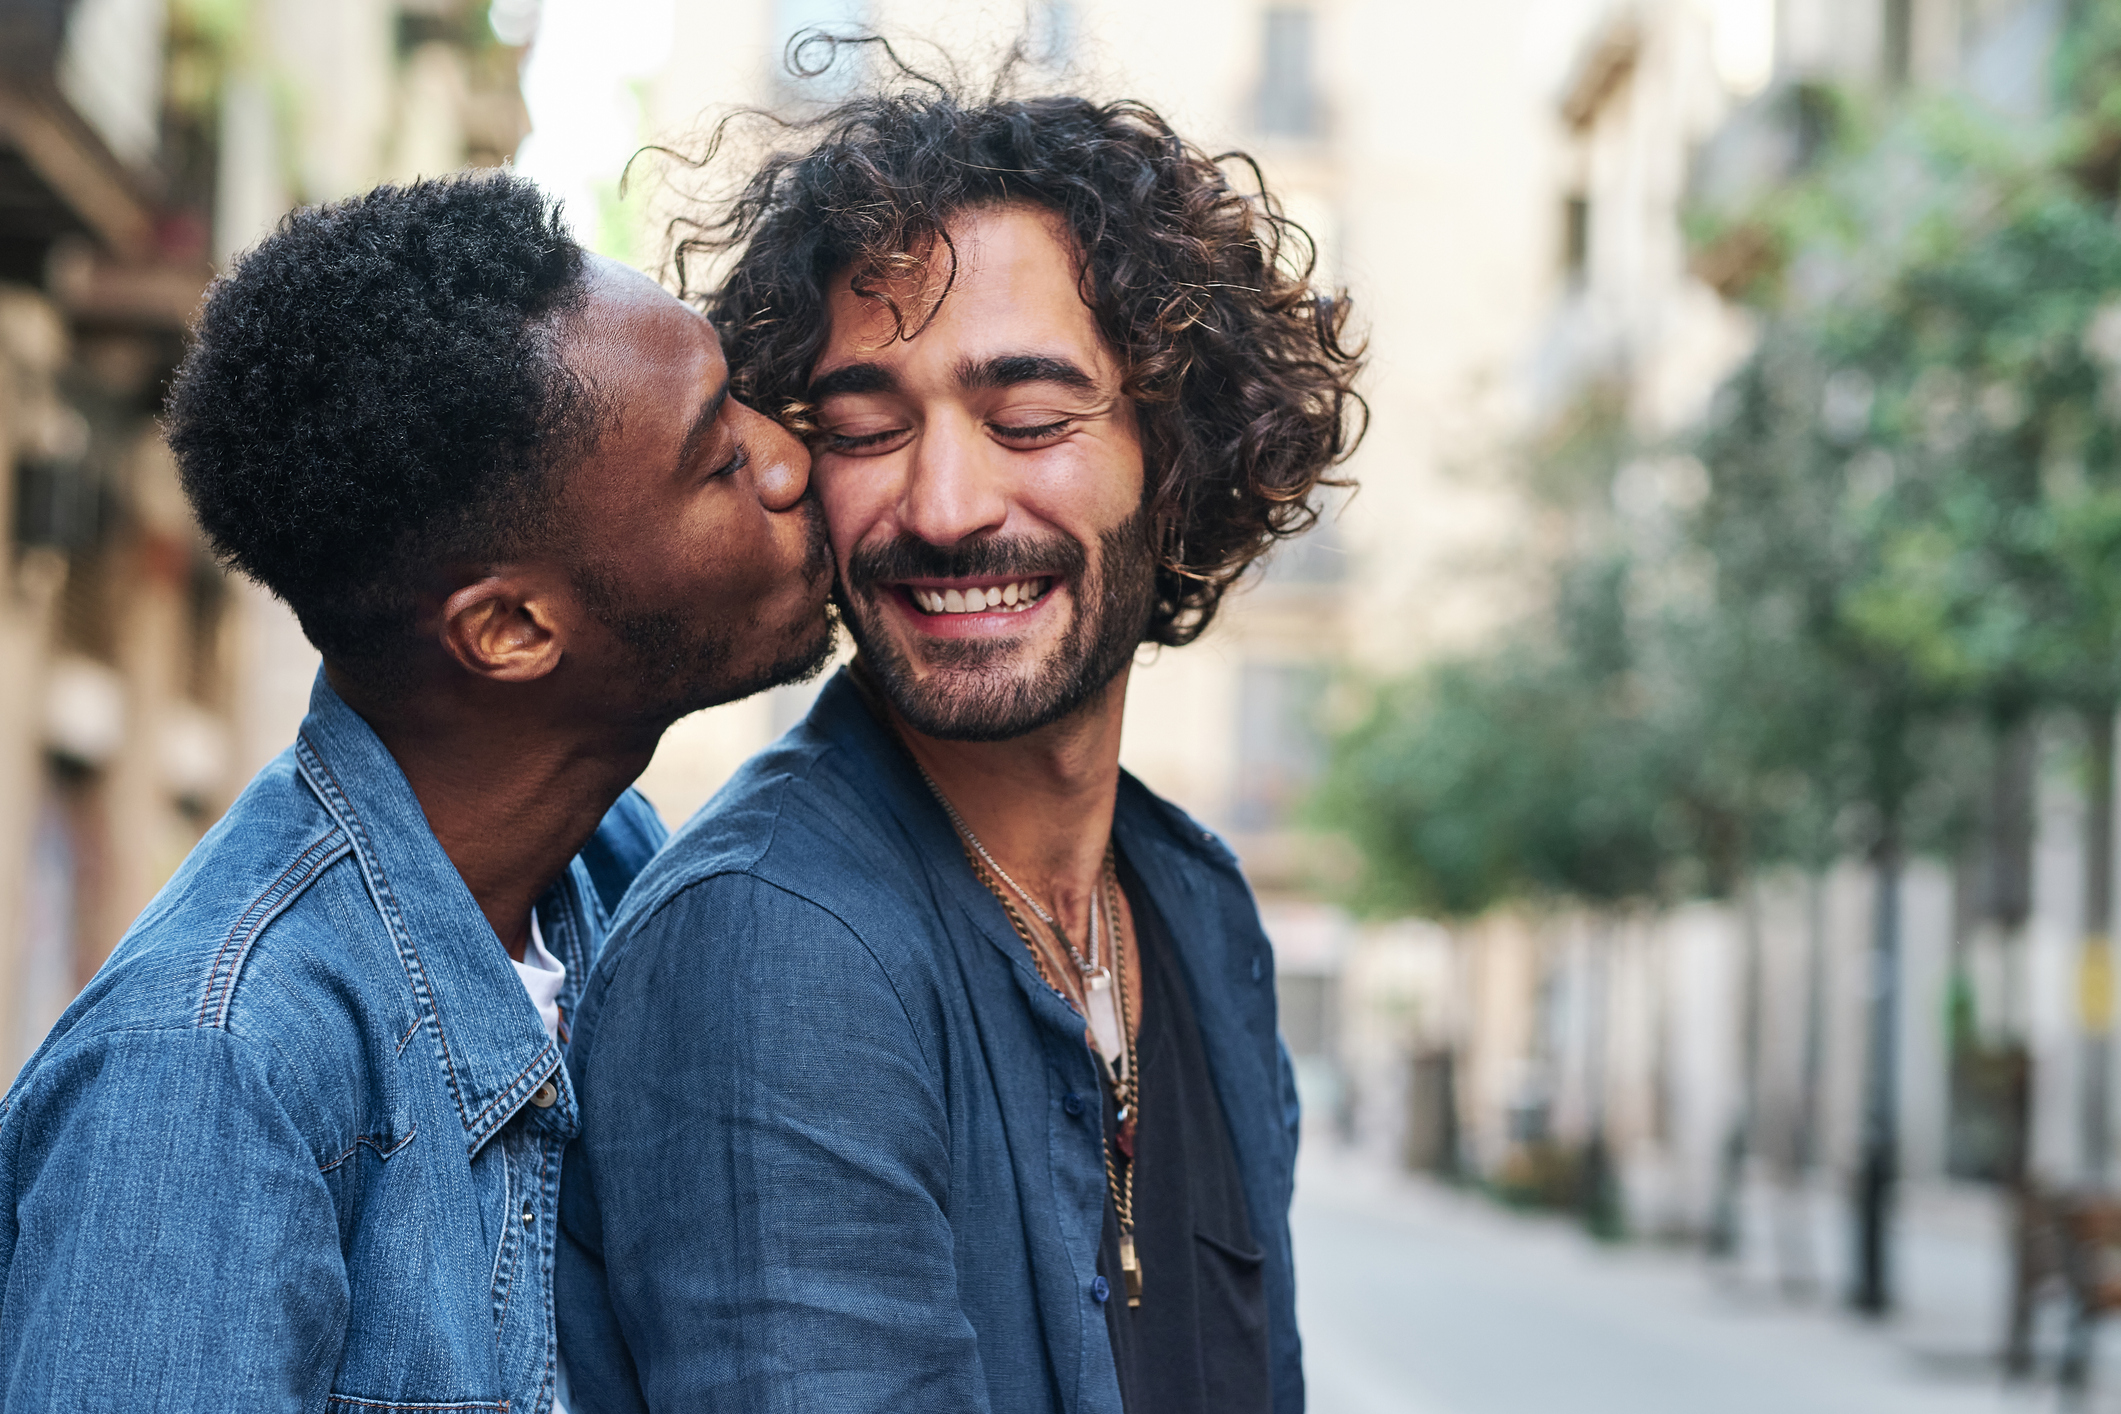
(1099, 1003)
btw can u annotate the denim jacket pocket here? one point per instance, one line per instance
(336, 1403)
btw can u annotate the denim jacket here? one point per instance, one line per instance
(841, 1145)
(297, 1145)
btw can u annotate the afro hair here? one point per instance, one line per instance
(373, 394)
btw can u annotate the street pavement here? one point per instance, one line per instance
(1418, 1299)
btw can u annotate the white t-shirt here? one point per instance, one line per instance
(542, 975)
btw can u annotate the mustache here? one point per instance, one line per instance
(1019, 556)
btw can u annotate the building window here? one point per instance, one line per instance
(1288, 88)
(1280, 746)
(1899, 40)
(1576, 236)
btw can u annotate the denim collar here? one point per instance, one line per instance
(492, 1048)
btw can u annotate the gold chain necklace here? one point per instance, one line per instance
(1119, 1146)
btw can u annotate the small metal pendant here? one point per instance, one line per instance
(1131, 1267)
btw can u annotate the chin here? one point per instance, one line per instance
(805, 653)
(1000, 699)
(796, 654)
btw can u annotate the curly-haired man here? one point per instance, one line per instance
(297, 1146)
(934, 1066)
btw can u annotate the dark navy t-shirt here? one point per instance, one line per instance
(1198, 1342)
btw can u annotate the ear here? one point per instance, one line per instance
(502, 628)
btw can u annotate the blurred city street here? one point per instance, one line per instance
(1686, 751)
(1419, 1299)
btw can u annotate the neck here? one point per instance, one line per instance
(1041, 803)
(511, 789)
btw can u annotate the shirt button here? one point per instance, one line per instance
(1072, 1103)
(1259, 968)
(1099, 1290)
(544, 1095)
(529, 1217)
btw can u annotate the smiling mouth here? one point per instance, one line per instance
(1011, 598)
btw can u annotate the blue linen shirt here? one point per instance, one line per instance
(841, 1144)
(290, 1148)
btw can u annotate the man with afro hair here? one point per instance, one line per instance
(297, 1146)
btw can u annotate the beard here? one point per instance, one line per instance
(978, 691)
(682, 664)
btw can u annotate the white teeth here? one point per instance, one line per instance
(1015, 598)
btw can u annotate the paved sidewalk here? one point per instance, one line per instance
(1416, 1299)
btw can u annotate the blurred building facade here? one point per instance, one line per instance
(1503, 188)
(142, 142)
(1718, 1049)
(114, 726)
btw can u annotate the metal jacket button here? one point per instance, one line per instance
(544, 1095)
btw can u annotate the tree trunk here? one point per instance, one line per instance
(1598, 1186)
(2009, 900)
(1727, 1225)
(1877, 1171)
(2095, 964)
(1800, 1276)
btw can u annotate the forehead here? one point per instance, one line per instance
(1015, 287)
(633, 339)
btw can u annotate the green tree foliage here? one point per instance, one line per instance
(1481, 781)
(1911, 532)
(1538, 773)
(1907, 546)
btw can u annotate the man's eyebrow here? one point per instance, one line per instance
(709, 411)
(853, 378)
(1003, 371)
(1009, 370)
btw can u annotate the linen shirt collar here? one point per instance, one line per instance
(888, 776)
(493, 1049)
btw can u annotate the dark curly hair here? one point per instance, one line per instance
(373, 392)
(1237, 366)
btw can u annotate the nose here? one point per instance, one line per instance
(950, 492)
(780, 463)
